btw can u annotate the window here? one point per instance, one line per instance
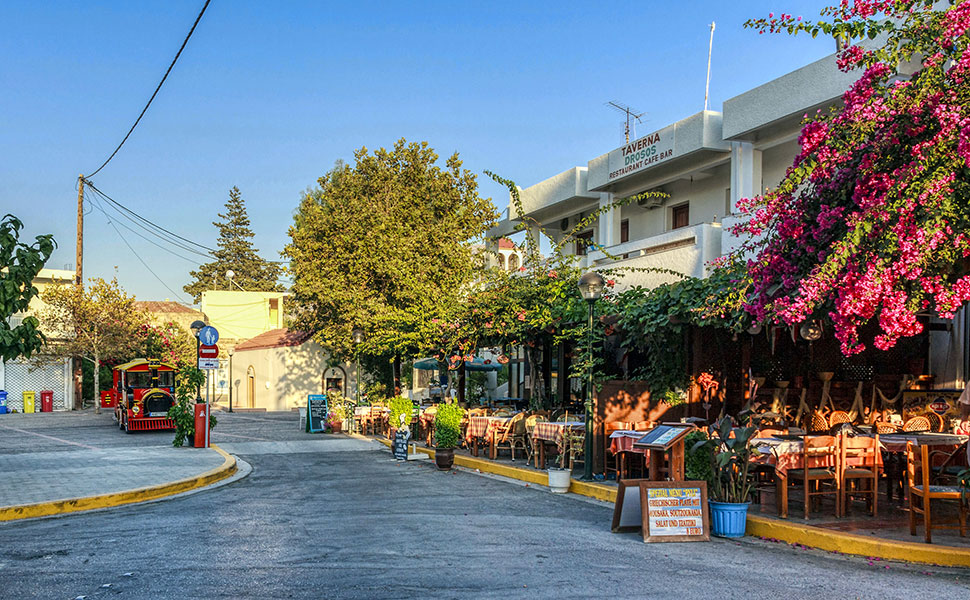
(583, 241)
(513, 262)
(680, 216)
(624, 231)
(501, 261)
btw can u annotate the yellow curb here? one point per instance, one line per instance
(792, 533)
(45, 509)
(850, 543)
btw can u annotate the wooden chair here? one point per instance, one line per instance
(643, 426)
(512, 435)
(820, 466)
(946, 464)
(530, 424)
(609, 457)
(863, 453)
(918, 468)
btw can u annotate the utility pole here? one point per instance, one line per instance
(79, 258)
(79, 281)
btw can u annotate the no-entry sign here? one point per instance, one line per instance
(209, 351)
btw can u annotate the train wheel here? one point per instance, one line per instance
(121, 424)
(127, 430)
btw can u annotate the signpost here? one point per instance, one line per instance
(208, 360)
(316, 413)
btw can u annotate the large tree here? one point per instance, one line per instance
(385, 245)
(235, 252)
(19, 264)
(99, 322)
(870, 224)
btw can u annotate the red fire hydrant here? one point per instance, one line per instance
(201, 422)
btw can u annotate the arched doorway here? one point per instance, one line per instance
(335, 378)
(251, 387)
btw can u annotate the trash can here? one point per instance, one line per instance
(3, 402)
(29, 401)
(46, 401)
(107, 399)
(201, 421)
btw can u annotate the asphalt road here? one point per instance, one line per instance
(330, 517)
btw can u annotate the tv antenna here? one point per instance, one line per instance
(631, 116)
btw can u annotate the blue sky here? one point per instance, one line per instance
(267, 95)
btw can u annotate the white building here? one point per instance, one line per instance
(704, 163)
(41, 372)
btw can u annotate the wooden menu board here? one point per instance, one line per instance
(664, 436)
(316, 412)
(627, 514)
(675, 511)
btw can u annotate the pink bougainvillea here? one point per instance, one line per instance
(868, 224)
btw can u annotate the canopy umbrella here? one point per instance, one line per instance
(479, 364)
(427, 364)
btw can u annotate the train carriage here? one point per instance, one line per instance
(143, 391)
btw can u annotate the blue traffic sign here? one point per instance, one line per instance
(208, 335)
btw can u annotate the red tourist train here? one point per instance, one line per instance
(143, 390)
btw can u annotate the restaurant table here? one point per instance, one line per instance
(546, 431)
(426, 420)
(621, 441)
(894, 445)
(785, 455)
(483, 428)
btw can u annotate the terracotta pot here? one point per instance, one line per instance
(337, 427)
(444, 458)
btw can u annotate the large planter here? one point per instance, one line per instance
(728, 519)
(337, 426)
(559, 481)
(444, 458)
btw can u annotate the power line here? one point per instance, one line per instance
(174, 293)
(108, 218)
(141, 218)
(155, 93)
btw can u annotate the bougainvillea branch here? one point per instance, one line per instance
(869, 223)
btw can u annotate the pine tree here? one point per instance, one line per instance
(235, 252)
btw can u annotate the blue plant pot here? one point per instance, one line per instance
(728, 519)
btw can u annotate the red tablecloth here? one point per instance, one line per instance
(483, 427)
(552, 432)
(622, 441)
(787, 454)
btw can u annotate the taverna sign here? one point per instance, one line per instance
(641, 153)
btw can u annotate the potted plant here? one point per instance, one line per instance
(400, 407)
(730, 483)
(569, 445)
(447, 434)
(336, 417)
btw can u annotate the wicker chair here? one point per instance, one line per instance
(838, 417)
(511, 435)
(883, 427)
(917, 424)
(530, 424)
(818, 423)
(936, 421)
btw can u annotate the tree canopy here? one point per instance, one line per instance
(19, 264)
(386, 245)
(99, 322)
(235, 252)
(869, 225)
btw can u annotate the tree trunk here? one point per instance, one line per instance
(396, 373)
(461, 385)
(97, 384)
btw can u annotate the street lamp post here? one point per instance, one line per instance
(230, 380)
(358, 336)
(591, 288)
(196, 327)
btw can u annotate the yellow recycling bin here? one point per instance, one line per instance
(29, 402)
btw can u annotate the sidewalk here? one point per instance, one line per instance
(67, 462)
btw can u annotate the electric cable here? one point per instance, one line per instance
(155, 93)
(143, 219)
(100, 207)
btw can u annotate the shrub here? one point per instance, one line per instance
(400, 406)
(447, 425)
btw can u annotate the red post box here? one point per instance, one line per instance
(46, 401)
(107, 399)
(201, 422)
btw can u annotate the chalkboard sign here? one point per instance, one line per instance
(400, 446)
(674, 511)
(317, 411)
(662, 437)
